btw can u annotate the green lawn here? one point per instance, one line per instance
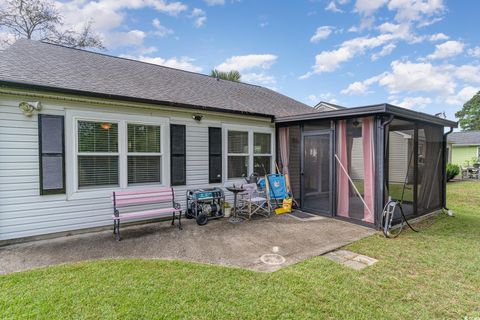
(428, 275)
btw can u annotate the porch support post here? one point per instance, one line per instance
(380, 168)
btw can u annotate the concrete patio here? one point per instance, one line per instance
(262, 244)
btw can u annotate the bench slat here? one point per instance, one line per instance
(145, 200)
(142, 191)
(148, 213)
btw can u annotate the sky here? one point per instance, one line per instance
(418, 54)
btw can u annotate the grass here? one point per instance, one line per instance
(428, 275)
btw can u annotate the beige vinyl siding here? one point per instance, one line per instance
(24, 213)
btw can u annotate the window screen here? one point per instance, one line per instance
(144, 154)
(97, 154)
(214, 155)
(52, 155)
(178, 155)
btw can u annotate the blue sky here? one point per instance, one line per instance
(423, 55)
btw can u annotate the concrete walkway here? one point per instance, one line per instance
(281, 240)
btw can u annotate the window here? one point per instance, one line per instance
(262, 149)
(98, 156)
(114, 151)
(238, 154)
(144, 154)
(247, 152)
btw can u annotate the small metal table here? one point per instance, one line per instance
(235, 190)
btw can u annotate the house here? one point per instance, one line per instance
(464, 148)
(77, 125)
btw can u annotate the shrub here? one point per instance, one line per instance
(452, 171)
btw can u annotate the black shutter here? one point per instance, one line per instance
(178, 160)
(214, 155)
(51, 154)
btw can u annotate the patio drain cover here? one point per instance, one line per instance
(272, 259)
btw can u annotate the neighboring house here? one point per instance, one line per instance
(77, 125)
(464, 147)
(327, 106)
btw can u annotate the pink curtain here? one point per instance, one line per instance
(369, 168)
(283, 137)
(343, 197)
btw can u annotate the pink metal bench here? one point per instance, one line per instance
(134, 199)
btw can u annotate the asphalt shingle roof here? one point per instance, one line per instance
(465, 137)
(41, 64)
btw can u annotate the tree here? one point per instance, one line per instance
(232, 75)
(40, 20)
(469, 116)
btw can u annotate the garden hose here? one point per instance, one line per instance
(388, 213)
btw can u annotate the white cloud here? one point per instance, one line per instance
(326, 97)
(329, 61)
(259, 78)
(321, 33)
(333, 7)
(161, 30)
(200, 17)
(131, 38)
(386, 50)
(475, 52)
(447, 49)
(6, 39)
(359, 88)
(413, 102)
(415, 10)
(438, 37)
(108, 15)
(466, 72)
(462, 96)
(215, 2)
(183, 63)
(368, 7)
(246, 62)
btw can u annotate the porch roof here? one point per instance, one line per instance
(377, 109)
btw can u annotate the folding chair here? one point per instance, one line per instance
(252, 201)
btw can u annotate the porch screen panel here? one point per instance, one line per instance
(355, 169)
(52, 155)
(400, 170)
(429, 187)
(294, 161)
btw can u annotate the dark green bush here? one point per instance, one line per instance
(452, 171)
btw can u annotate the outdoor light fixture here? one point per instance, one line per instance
(197, 117)
(28, 108)
(106, 125)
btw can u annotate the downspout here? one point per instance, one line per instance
(381, 148)
(444, 171)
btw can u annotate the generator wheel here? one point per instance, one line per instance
(202, 219)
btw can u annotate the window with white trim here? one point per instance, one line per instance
(97, 154)
(262, 152)
(144, 154)
(117, 153)
(247, 152)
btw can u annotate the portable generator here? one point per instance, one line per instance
(205, 204)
